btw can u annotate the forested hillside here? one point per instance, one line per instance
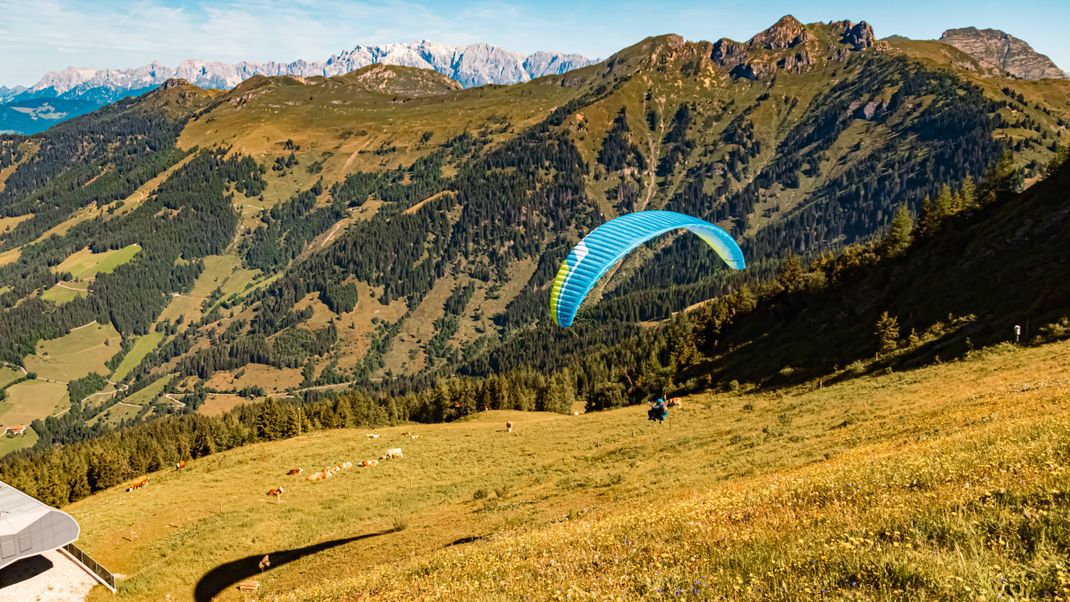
(389, 230)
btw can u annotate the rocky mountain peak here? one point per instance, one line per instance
(175, 82)
(860, 36)
(791, 46)
(997, 49)
(788, 32)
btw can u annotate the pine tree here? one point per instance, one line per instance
(887, 332)
(792, 274)
(945, 203)
(900, 234)
(558, 394)
(652, 376)
(1062, 153)
(967, 194)
(928, 220)
(1001, 180)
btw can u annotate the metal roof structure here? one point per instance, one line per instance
(28, 527)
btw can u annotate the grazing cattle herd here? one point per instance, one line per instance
(393, 453)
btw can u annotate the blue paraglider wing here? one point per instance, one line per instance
(607, 244)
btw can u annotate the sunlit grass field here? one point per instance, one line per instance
(948, 482)
(83, 350)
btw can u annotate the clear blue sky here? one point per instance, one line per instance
(45, 35)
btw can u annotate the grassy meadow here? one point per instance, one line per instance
(86, 264)
(947, 482)
(83, 350)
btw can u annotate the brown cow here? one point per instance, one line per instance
(675, 402)
(138, 484)
(275, 491)
(295, 471)
(317, 476)
(180, 465)
(509, 427)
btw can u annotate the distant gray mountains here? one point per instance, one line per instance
(995, 49)
(61, 95)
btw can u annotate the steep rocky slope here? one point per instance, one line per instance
(997, 49)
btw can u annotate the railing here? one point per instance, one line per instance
(102, 574)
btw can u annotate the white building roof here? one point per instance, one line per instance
(29, 527)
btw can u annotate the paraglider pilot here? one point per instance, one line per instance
(658, 410)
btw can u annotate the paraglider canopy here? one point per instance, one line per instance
(607, 244)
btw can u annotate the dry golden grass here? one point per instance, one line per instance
(906, 485)
(8, 224)
(406, 353)
(490, 304)
(10, 256)
(220, 403)
(356, 328)
(321, 314)
(268, 377)
(32, 399)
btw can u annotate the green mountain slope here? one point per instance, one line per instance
(309, 233)
(964, 286)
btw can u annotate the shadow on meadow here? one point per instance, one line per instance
(212, 583)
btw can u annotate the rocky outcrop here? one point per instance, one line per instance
(995, 49)
(859, 36)
(791, 46)
(788, 32)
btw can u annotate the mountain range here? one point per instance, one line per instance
(471, 65)
(74, 91)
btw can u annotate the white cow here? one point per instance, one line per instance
(393, 452)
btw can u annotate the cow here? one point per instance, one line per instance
(576, 413)
(509, 427)
(180, 465)
(295, 471)
(393, 452)
(138, 484)
(368, 463)
(346, 465)
(675, 402)
(275, 491)
(373, 435)
(317, 476)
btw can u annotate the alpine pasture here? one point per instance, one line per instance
(945, 482)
